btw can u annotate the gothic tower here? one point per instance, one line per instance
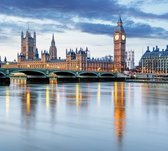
(53, 50)
(119, 47)
(28, 45)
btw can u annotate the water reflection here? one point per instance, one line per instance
(28, 107)
(154, 97)
(18, 81)
(119, 110)
(57, 93)
(28, 101)
(52, 100)
(77, 95)
(46, 117)
(7, 99)
(98, 93)
(47, 97)
(78, 98)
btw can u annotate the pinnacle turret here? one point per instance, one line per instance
(120, 20)
(120, 25)
(53, 49)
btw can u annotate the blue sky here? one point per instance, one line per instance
(88, 23)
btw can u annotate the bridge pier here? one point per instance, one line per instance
(37, 80)
(4, 81)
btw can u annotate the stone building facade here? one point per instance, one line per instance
(75, 60)
(28, 45)
(155, 61)
(130, 64)
(78, 59)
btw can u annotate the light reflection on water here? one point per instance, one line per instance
(119, 110)
(84, 116)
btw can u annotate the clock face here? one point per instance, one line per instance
(116, 37)
(123, 37)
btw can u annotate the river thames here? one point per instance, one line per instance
(84, 116)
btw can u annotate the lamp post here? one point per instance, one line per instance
(76, 67)
(7, 66)
(47, 65)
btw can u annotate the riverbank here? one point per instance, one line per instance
(147, 81)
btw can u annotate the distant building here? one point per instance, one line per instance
(130, 59)
(155, 61)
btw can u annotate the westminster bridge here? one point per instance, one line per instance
(45, 75)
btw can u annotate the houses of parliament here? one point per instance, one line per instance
(78, 59)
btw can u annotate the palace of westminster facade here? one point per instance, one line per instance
(155, 61)
(75, 59)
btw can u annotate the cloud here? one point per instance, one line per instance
(96, 28)
(58, 15)
(61, 9)
(140, 30)
(5, 35)
(65, 9)
(133, 30)
(4, 38)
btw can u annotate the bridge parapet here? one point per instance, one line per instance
(49, 71)
(58, 74)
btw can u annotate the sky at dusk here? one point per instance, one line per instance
(83, 23)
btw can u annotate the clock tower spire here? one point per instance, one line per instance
(119, 47)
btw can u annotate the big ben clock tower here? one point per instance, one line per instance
(119, 47)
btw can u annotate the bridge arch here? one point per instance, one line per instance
(2, 74)
(63, 73)
(29, 72)
(88, 74)
(107, 74)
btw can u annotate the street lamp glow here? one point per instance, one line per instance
(76, 67)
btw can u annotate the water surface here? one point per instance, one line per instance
(84, 116)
